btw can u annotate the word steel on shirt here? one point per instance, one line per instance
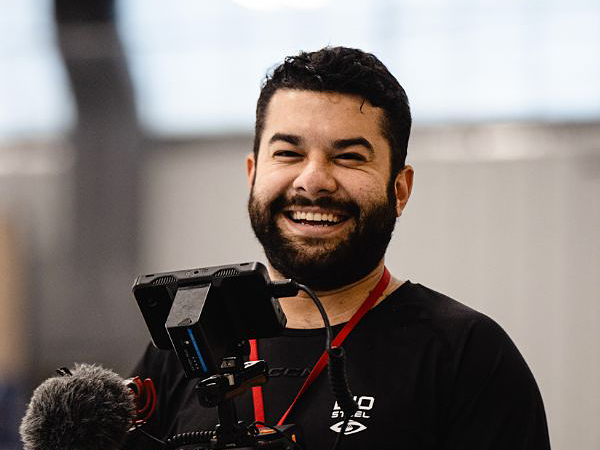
(365, 405)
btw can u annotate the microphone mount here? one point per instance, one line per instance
(235, 377)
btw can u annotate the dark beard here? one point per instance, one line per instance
(349, 261)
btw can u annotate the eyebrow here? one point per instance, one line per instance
(338, 144)
(289, 138)
(341, 144)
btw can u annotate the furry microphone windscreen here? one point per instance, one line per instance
(91, 409)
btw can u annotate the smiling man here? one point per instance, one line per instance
(323, 199)
(322, 188)
(328, 181)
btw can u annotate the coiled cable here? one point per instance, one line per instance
(191, 437)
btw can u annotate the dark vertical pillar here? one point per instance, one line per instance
(104, 247)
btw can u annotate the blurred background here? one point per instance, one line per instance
(124, 124)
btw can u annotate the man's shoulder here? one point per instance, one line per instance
(487, 379)
(414, 302)
(433, 303)
(475, 349)
(448, 320)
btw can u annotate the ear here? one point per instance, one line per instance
(250, 169)
(403, 187)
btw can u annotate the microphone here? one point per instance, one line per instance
(90, 408)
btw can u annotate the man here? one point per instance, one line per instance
(327, 182)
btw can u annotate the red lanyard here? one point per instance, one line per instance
(257, 397)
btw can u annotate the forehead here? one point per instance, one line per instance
(322, 116)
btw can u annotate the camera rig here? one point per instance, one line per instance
(207, 315)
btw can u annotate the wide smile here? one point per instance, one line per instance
(315, 222)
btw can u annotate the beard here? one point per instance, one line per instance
(323, 263)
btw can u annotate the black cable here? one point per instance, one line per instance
(338, 439)
(339, 382)
(337, 361)
(337, 357)
(321, 309)
(191, 437)
(154, 438)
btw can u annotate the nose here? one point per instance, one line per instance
(315, 178)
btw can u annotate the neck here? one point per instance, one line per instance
(340, 304)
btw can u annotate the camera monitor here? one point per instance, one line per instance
(204, 313)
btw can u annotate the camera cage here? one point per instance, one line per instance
(207, 315)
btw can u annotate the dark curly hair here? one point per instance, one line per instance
(346, 71)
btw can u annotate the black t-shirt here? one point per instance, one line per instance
(427, 373)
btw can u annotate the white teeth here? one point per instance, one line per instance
(315, 217)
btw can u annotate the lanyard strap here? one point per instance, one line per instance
(257, 397)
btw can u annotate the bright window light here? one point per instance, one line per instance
(197, 66)
(34, 94)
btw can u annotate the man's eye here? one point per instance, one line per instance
(351, 156)
(287, 154)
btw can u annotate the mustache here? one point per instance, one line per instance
(346, 207)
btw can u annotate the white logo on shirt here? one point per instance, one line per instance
(365, 405)
(352, 427)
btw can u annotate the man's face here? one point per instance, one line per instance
(322, 203)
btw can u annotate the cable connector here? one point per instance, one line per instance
(339, 381)
(283, 288)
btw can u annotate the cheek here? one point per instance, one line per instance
(269, 183)
(364, 188)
